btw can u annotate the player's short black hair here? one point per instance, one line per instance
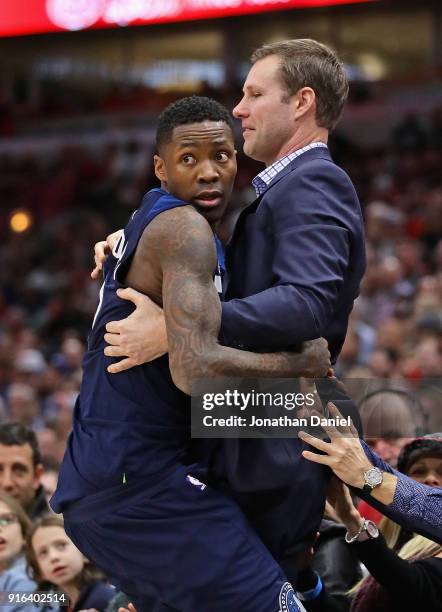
(17, 434)
(193, 109)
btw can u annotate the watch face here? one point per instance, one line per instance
(373, 477)
(372, 529)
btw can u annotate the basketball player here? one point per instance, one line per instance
(130, 500)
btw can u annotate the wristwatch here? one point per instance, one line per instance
(372, 478)
(368, 531)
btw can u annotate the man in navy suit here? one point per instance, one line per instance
(294, 265)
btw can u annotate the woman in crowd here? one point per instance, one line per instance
(412, 580)
(421, 460)
(55, 563)
(14, 525)
(408, 581)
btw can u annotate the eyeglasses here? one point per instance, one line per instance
(8, 519)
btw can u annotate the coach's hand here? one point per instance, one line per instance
(102, 251)
(139, 338)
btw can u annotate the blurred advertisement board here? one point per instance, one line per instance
(20, 17)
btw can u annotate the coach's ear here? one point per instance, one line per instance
(160, 168)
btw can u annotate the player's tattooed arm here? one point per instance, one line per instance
(193, 313)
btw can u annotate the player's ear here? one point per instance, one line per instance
(160, 168)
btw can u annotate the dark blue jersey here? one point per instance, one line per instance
(130, 424)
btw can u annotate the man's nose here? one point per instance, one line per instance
(6, 481)
(208, 172)
(240, 110)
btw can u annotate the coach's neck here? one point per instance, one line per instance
(306, 133)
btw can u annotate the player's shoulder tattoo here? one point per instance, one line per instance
(181, 237)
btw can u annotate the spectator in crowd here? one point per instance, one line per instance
(21, 469)
(47, 443)
(330, 569)
(337, 563)
(55, 562)
(421, 460)
(23, 405)
(390, 418)
(49, 478)
(408, 581)
(14, 526)
(413, 505)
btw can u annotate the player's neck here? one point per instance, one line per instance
(214, 224)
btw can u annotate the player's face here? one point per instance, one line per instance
(59, 561)
(267, 115)
(198, 166)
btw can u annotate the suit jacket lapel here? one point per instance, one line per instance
(315, 153)
(251, 208)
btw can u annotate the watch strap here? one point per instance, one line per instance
(364, 533)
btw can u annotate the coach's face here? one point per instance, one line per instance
(266, 111)
(198, 165)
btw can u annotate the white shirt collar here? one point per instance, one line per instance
(264, 178)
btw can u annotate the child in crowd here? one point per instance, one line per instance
(14, 525)
(56, 563)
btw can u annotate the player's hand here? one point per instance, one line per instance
(139, 338)
(130, 608)
(317, 358)
(102, 250)
(344, 453)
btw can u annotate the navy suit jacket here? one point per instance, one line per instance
(294, 265)
(295, 260)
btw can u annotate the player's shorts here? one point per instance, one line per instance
(177, 541)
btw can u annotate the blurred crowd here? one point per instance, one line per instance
(34, 103)
(395, 330)
(75, 197)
